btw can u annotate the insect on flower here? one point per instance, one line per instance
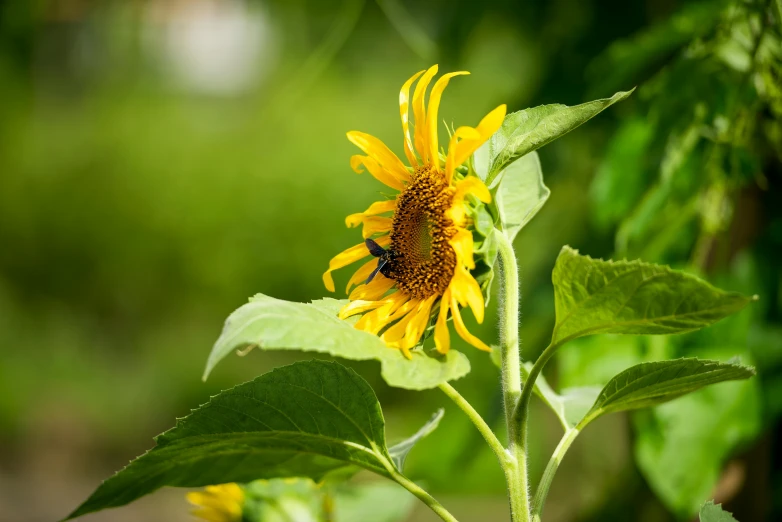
(385, 259)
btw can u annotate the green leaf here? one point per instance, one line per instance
(274, 324)
(529, 129)
(302, 500)
(699, 431)
(711, 512)
(521, 194)
(653, 383)
(631, 297)
(376, 501)
(279, 500)
(302, 420)
(400, 450)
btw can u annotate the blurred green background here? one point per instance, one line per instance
(162, 160)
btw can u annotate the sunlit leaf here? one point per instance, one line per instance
(529, 129)
(376, 501)
(653, 383)
(521, 194)
(711, 512)
(302, 420)
(296, 499)
(400, 450)
(302, 500)
(274, 324)
(631, 297)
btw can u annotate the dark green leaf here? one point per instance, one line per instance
(653, 383)
(400, 450)
(696, 432)
(521, 194)
(711, 512)
(529, 129)
(274, 324)
(302, 420)
(631, 297)
(622, 176)
(642, 54)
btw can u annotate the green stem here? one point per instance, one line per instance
(522, 409)
(425, 497)
(551, 469)
(491, 439)
(516, 467)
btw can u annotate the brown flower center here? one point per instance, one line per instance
(425, 261)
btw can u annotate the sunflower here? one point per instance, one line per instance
(221, 503)
(425, 228)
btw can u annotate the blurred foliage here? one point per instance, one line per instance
(153, 176)
(691, 178)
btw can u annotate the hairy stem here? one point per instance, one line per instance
(475, 417)
(551, 469)
(522, 409)
(425, 497)
(516, 467)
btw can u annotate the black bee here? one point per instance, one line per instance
(385, 259)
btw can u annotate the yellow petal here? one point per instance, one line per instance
(358, 307)
(462, 245)
(467, 291)
(376, 225)
(395, 333)
(472, 185)
(399, 335)
(442, 338)
(378, 207)
(351, 255)
(374, 168)
(462, 133)
(401, 307)
(231, 490)
(419, 111)
(222, 503)
(404, 103)
(362, 274)
(469, 185)
(212, 515)
(415, 328)
(462, 330)
(378, 151)
(374, 290)
(431, 115)
(488, 126)
(376, 320)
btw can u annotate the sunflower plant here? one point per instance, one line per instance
(283, 446)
